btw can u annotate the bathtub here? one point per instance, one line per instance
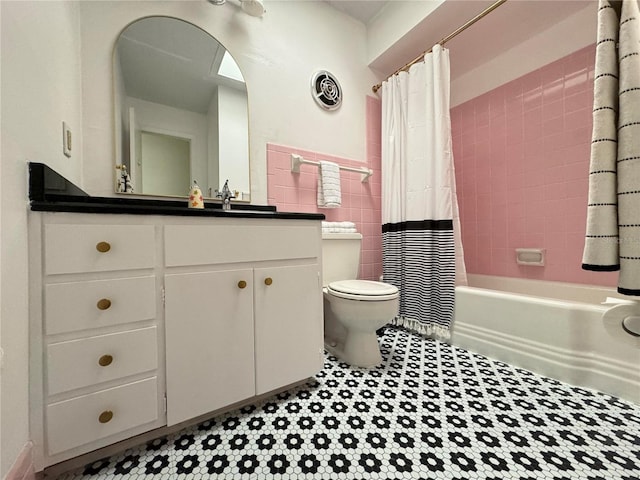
(555, 329)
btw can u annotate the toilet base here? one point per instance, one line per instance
(350, 328)
(358, 349)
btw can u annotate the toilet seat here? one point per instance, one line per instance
(364, 290)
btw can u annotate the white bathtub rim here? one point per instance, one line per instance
(564, 304)
(544, 288)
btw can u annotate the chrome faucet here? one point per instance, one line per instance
(226, 195)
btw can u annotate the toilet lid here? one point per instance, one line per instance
(363, 289)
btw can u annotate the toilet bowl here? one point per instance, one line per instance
(353, 309)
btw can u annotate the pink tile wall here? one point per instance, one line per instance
(361, 202)
(522, 161)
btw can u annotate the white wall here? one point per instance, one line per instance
(277, 54)
(3, 468)
(212, 125)
(121, 114)
(393, 22)
(40, 88)
(233, 138)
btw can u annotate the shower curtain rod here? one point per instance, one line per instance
(482, 14)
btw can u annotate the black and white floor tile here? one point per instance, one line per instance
(431, 411)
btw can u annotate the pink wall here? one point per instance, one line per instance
(361, 202)
(23, 468)
(522, 162)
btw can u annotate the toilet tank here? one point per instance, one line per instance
(340, 256)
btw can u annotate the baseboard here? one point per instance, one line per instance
(584, 369)
(23, 468)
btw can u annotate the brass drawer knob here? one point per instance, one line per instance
(268, 281)
(105, 360)
(242, 284)
(103, 304)
(106, 416)
(103, 247)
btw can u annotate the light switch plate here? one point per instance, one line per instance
(66, 139)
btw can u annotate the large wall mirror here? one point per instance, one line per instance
(181, 111)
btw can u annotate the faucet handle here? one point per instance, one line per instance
(226, 191)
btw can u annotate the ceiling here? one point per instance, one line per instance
(363, 10)
(510, 24)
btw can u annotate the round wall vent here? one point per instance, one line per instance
(326, 90)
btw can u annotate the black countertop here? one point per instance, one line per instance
(50, 192)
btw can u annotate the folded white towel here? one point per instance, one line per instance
(339, 227)
(338, 230)
(326, 224)
(329, 195)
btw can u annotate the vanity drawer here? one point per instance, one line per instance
(82, 305)
(82, 420)
(89, 361)
(98, 248)
(211, 244)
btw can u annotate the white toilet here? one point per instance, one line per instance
(353, 309)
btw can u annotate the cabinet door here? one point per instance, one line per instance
(289, 325)
(210, 343)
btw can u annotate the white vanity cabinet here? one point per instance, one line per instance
(141, 322)
(252, 293)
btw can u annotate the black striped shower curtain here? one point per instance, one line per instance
(612, 240)
(422, 252)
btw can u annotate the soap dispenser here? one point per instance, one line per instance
(196, 199)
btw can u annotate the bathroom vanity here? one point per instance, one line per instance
(147, 315)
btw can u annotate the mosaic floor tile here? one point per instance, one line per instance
(430, 411)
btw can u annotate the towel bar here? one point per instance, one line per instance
(297, 160)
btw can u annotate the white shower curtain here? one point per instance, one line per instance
(422, 251)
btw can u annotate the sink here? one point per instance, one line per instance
(259, 212)
(253, 209)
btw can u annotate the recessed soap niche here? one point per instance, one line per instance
(530, 256)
